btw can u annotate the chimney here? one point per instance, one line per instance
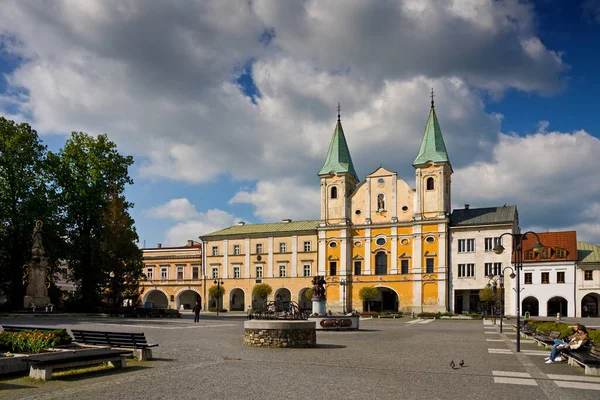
(159, 245)
(241, 223)
(286, 220)
(466, 206)
(190, 243)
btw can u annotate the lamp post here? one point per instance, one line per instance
(218, 282)
(494, 281)
(517, 241)
(343, 283)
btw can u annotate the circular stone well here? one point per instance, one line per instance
(280, 333)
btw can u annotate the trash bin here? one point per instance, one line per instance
(527, 315)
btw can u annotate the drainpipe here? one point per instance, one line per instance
(575, 289)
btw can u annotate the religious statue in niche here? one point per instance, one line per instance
(380, 202)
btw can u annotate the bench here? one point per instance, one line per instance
(135, 341)
(587, 357)
(545, 338)
(14, 328)
(41, 368)
(527, 329)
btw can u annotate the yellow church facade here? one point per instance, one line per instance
(377, 232)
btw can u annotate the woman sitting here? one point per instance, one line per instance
(575, 341)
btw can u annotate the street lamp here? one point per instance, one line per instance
(218, 282)
(343, 283)
(518, 262)
(495, 281)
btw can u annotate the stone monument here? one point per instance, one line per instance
(37, 292)
(318, 295)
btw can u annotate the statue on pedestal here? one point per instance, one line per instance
(36, 291)
(318, 295)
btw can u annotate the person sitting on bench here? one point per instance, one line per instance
(574, 342)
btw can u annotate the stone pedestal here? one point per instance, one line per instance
(318, 307)
(37, 292)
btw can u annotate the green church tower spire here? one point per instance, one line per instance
(433, 148)
(338, 157)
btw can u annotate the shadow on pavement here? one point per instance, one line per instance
(103, 372)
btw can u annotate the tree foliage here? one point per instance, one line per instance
(216, 292)
(368, 294)
(262, 290)
(487, 295)
(308, 293)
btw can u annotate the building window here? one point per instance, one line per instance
(430, 239)
(466, 270)
(380, 263)
(560, 277)
(149, 273)
(357, 267)
(429, 265)
(404, 266)
(380, 241)
(489, 245)
(588, 275)
(466, 245)
(333, 245)
(546, 252)
(259, 272)
(528, 278)
(489, 269)
(334, 192)
(180, 273)
(164, 273)
(560, 253)
(236, 249)
(282, 247)
(306, 246)
(236, 271)
(306, 268)
(195, 272)
(529, 255)
(215, 272)
(282, 271)
(430, 184)
(380, 202)
(258, 248)
(332, 268)
(215, 250)
(545, 277)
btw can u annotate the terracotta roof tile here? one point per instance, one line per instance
(565, 240)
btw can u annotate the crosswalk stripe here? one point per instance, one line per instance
(510, 373)
(536, 352)
(515, 381)
(499, 340)
(499, 351)
(578, 385)
(426, 321)
(491, 333)
(574, 378)
(413, 321)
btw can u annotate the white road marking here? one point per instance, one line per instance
(536, 352)
(510, 373)
(499, 351)
(574, 378)
(491, 333)
(578, 385)
(426, 321)
(174, 327)
(499, 340)
(516, 381)
(413, 321)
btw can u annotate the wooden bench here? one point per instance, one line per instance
(588, 357)
(41, 368)
(14, 328)
(135, 341)
(545, 338)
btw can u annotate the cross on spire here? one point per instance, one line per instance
(339, 108)
(432, 95)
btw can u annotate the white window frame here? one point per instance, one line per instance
(180, 268)
(307, 246)
(470, 245)
(236, 271)
(236, 250)
(282, 247)
(259, 271)
(489, 243)
(196, 268)
(305, 268)
(259, 248)
(466, 270)
(215, 250)
(149, 273)
(215, 273)
(164, 273)
(282, 270)
(462, 245)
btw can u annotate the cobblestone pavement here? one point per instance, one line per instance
(386, 359)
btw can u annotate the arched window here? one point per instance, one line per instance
(334, 192)
(380, 202)
(430, 184)
(380, 263)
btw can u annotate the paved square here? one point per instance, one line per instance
(387, 359)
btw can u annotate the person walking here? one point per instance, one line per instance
(249, 312)
(197, 311)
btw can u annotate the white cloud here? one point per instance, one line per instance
(203, 223)
(175, 209)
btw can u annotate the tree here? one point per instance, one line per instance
(308, 293)
(85, 174)
(368, 294)
(25, 197)
(216, 292)
(488, 296)
(262, 291)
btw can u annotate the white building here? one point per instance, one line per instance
(588, 280)
(473, 234)
(548, 278)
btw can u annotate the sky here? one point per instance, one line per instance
(228, 107)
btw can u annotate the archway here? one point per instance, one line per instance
(589, 305)
(283, 294)
(531, 305)
(236, 300)
(557, 305)
(303, 302)
(387, 300)
(187, 298)
(157, 298)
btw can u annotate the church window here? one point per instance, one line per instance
(333, 244)
(380, 202)
(380, 241)
(430, 184)
(430, 239)
(357, 267)
(332, 268)
(429, 265)
(380, 180)
(334, 192)
(404, 267)
(381, 263)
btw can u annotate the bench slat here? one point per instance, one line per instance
(113, 339)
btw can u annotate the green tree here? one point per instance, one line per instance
(216, 292)
(368, 294)
(308, 293)
(488, 296)
(25, 197)
(262, 291)
(85, 174)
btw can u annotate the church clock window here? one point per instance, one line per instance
(430, 184)
(334, 192)
(381, 263)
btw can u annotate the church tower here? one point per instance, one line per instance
(338, 180)
(433, 171)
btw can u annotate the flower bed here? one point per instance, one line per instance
(32, 341)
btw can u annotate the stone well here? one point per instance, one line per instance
(280, 333)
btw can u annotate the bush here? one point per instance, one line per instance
(369, 314)
(428, 315)
(476, 315)
(214, 309)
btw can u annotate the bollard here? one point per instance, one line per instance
(558, 316)
(527, 315)
(412, 314)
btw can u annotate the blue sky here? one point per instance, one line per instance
(229, 110)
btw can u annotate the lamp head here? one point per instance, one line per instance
(512, 275)
(538, 247)
(498, 249)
